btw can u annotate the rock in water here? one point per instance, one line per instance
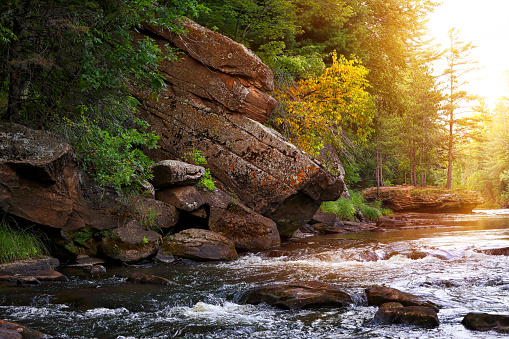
(411, 315)
(380, 294)
(305, 294)
(212, 99)
(486, 322)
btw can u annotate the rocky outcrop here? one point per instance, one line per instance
(214, 102)
(186, 198)
(40, 183)
(486, 322)
(200, 244)
(427, 199)
(305, 294)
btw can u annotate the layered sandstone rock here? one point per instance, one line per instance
(427, 199)
(214, 102)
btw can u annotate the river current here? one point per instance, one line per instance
(441, 264)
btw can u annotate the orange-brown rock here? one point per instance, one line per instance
(427, 199)
(214, 101)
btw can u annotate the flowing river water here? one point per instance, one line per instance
(441, 264)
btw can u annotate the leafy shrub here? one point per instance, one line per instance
(345, 209)
(196, 157)
(18, 244)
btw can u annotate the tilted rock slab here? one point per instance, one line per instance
(380, 295)
(212, 99)
(421, 316)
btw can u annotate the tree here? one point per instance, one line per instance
(459, 64)
(325, 108)
(67, 67)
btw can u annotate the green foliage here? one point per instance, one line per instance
(346, 209)
(144, 240)
(196, 157)
(18, 244)
(69, 67)
(147, 217)
(206, 182)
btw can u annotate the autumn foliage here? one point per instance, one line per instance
(326, 107)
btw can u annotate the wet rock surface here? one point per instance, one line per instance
(170, 173)
(410, 315)
(300, 295)
(486, 322)
(379, 295)
(141, 278)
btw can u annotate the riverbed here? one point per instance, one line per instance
(442, 264)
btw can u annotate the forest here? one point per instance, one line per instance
(352, 77)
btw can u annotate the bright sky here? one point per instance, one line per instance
(486, 24)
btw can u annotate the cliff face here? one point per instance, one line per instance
(215, 102)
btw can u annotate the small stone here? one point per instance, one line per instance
(141, 278)
(486, 322)
(411, 315)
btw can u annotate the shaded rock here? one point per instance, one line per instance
(390, 223)
(249, 230)
(324, 228)
(392, 304)
(210, 104)
(141, 278)
(427, 199)
(380, 294)
(411, 315)
(305, 294)
(171, 173)
(186, 198)
(85, 261)
(164, 257)
(216, 198)
(154, 213)
(199, 213)
(131, 243)
(486, 322)
(147, 190)
(42, 270)
(27, 281)
(200, 245)
(95, 269)
(326, 218)
(11, 330)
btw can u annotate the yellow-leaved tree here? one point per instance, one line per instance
(326, 108)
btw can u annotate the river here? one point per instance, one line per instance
(440, 264)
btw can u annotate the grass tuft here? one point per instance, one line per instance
(18, 244)
(345, 208)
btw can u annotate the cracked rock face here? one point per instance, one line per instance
(215, 102)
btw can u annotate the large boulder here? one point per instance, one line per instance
(426, 199)
(212, 99)
(131, 243)
(200, 244)
(249, 230)
(305, 294)
(380, 295)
